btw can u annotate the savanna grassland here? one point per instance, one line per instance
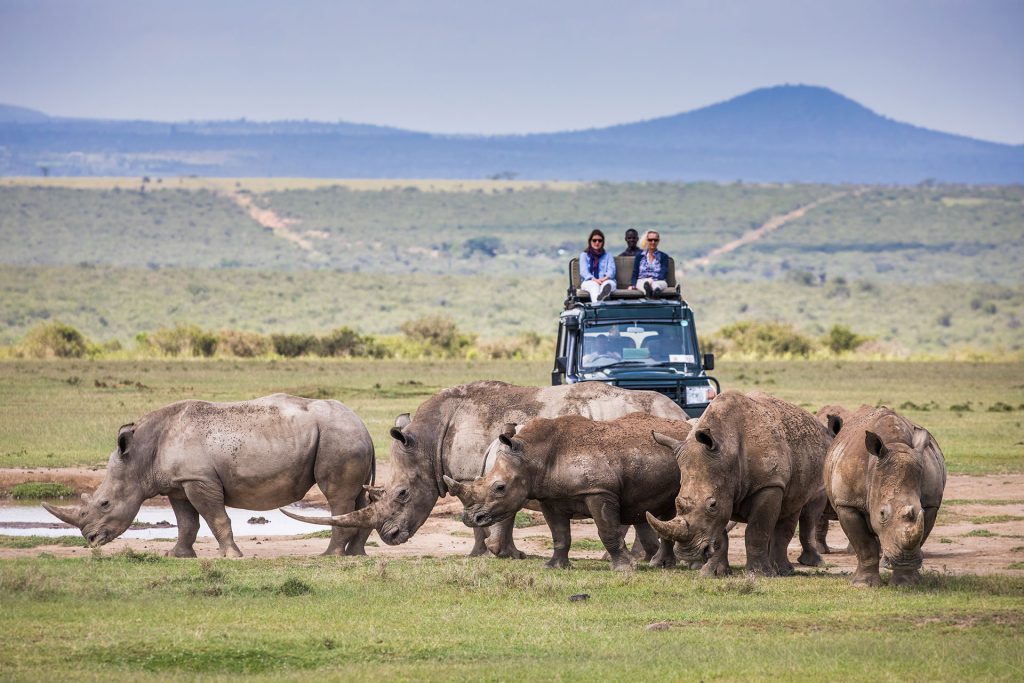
(920, 270)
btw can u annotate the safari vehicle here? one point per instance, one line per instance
(634, 341)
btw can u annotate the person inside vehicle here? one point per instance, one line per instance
(631, 238)
(600, 352)
(597, 268)
(650, 270)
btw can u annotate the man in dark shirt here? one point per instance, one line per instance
(631, 238)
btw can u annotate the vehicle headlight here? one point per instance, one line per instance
(700, 394)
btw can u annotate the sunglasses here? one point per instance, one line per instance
(597, 240)
(654, 239)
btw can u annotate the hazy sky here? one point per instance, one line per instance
(512, 66)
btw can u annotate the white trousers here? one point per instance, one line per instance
(656, 285)
(594, 289)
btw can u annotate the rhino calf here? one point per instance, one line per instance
(255, 455)
(750, 458)
(884, 477)
(611, 471)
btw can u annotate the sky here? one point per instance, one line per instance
(517, 66)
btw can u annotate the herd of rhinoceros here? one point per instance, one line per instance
(584, 450)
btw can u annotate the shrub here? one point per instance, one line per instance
(438, 333)
(766, 339)
(841, 339)
(183, 339)
(343, 341)
(243, 344)
(293, 345)
(55, 340)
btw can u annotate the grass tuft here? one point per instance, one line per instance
(35, 490)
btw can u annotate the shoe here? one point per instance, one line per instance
(606, 290)
(647, 289)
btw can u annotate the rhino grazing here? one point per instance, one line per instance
(884, 476)
(449, 436)
(611, 471)
(750, 458)
(255, 455)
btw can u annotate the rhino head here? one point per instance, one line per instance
(108, 512)
(894, 497)
(705, 499)
(396, 512)
(502, 491)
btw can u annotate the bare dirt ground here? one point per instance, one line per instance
(980, 529)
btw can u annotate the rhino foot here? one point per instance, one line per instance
(557, 563)
(866, 581)
(478, 551)
(713, 568)
(810, 558)
(181, 552)
(625, 563)
(353, 552)
(905, 578)
(664, 560)
(510, 553)
(761, 569)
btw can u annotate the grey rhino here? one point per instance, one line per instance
(884, 476)
(828, 514)
(751, 458)
(255, 455)
(449, 435)
(611, 471)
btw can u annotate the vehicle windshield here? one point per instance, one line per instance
(637, 344)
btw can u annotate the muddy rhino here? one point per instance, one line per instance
(255, 455)
(610, 471)
(449, 436)
(750, 458)
(884, 476)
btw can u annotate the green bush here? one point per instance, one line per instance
(841, 339)
(765, 339)
(438, 335)
(294, 345)
(343, 341)
(182, 339)
(55, 340)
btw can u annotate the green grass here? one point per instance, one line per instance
(995, 519)
(36, 541)
(40, 489)
(981, 533)
(983, 501)
(53, 414)
(141, 617)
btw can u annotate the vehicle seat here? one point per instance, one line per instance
(623, 275)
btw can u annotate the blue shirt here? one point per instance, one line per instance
(605, 267)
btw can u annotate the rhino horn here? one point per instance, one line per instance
(672, 530)
(67, 514)
(367, 518)
(455, 487)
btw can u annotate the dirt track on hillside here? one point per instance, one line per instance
(950, 548)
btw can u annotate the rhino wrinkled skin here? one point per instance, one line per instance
(610, 471)
(750, 458)
(254, 455)
(449, 436)
(884, 476)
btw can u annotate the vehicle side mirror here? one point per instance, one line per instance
(709, 361)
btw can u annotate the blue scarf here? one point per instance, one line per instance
(594, 256)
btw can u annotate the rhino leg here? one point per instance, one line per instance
(717, 563)
(779, 545)
(864, 543)
(605, 511)
(187, 518)
(357, 543)
(341, 503)
(820, 535)
(561, 537)
(501, 541)
(649, 542)
(209, 501)
(665, 557)
(763, 515)
(810, 516)
(480, 535)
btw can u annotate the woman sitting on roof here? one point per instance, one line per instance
(650, 270)
(597, 268)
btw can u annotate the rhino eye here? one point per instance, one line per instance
(105, 505)
(883, 514)
(498, 487)
(712, 505)
(402, 495)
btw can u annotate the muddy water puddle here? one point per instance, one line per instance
(152, 522)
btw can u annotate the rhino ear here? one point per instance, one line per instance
(398, 435)
(514, 446)
(402, 421)
(666, 440)
(510, 430)
(921, 437)
(873, 443)
(835, 424)
(703, 437)
(124, 438)
(374, 493)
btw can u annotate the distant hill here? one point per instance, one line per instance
(779, 134)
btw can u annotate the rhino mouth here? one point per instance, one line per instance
(481, 518)
(98, 538)
(902, 559)
(394, 535)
